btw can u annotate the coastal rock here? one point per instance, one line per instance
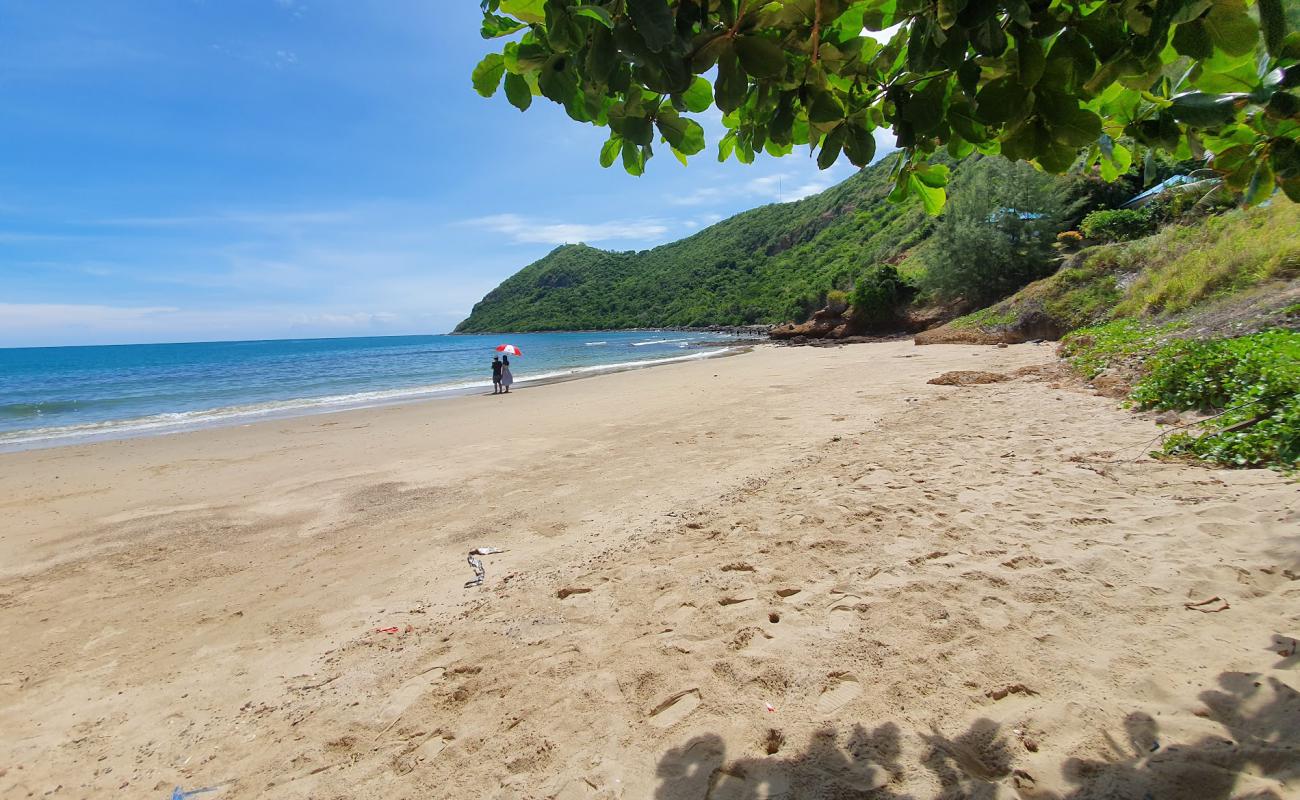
(963, 377)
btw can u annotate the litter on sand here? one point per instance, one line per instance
(386, 630)
(477, 564)
(1212, 606)
(177, 794)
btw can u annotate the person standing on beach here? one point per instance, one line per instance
(496, 375)
(506, 377)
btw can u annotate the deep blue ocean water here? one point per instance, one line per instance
(56, 395)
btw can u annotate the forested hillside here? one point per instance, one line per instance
(767, 265)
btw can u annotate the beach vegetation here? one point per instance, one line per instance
(1249, 385)
(879, 294)
(998, 232)
(1118, 224)
(1093, 350)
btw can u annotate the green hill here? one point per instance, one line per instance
(767, 265)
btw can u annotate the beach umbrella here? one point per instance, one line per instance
(509, 349)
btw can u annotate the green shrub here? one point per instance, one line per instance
(879, 293)
(1119, 224)
(1091, 350)
(837, 299)
(996, 234)
(1254, 379)
(991, 317)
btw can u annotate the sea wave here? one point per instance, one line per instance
(230, 415)
(593, 344)
(654, 341)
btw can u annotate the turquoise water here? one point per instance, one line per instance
(58, 395)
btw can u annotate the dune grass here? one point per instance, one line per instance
(1187, 264)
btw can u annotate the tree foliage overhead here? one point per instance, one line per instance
(1034, 80)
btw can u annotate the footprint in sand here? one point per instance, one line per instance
(842, 690)
(675, 708)
(404, 696)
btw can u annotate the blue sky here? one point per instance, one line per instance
(184, 170)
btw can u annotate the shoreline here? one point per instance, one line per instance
(227, 416)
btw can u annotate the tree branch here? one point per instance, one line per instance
(817, 31)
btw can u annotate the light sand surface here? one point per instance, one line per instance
(796, 573)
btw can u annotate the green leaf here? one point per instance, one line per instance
(1272, 20)
(859, 146)
(989, 39)
(597, 13)
(518, 91)
(831, 146)
(1193, 40)
(612, 147)
(1231, 27)
(1262, 183)
(683, 134)
(633, 159)
(602, 56)
(1116, 159)
(1286, 166)
(653, 20)
(495, 26)
(533, 11)
(824, 109)
(1024, 141)
(948, 11)
(732, 84)
(932, 175)
(699, 97)
(1076, 128)
(1030, 61)
(932, 197)
(1000, 100)
(556, 81)
(962, 120)
(487, 75)
(1201, 110)
(762, 58)
(726, 146)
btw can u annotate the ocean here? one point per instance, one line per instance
(60, 395)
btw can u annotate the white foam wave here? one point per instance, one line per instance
(593, 344)
(176, 422)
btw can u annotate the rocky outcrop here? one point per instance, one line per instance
(836, 323)
(963, 377)
(832, 322)
(1030, 326)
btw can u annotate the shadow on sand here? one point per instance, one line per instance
(1259, 748)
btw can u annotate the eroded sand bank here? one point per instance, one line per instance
(941, 592)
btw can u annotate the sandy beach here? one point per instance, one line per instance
(793, 573)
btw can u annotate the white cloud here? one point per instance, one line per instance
(40, 324)
(698, 197)
(534, 231)
(787, 187)
(269, 219)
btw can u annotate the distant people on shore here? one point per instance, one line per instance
(506, 377)
(496, 375)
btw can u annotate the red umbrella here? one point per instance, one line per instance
(509, 349)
